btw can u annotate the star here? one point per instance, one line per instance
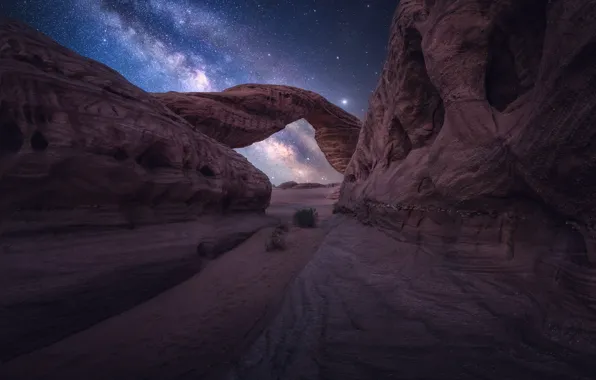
(196, 45)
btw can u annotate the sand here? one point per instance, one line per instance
(193, 325)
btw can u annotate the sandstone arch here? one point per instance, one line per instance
(248, 113)
(76, 135)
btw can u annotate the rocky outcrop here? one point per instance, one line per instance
(245, 114)
(305, 185)
(45, 278)
(481, 101)
(472, 182)
(79, 144)
(287, 185)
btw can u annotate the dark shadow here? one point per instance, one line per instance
(39, 143)
(207, 171)
(515, 52)
(501, 81)
(11, 138)
(120, 155)
(153, 157)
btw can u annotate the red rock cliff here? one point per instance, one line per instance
(481, 103)
(75, 134)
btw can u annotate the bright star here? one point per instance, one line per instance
(344, 101)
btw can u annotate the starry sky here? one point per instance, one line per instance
(333, 47)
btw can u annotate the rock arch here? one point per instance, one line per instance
(248, 113)
(106, 145)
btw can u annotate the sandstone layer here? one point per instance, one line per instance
(305, 185)
(187, 332)
(76, 135)
(56, 285)
(245, 114)
(482, 101)
(418, 303)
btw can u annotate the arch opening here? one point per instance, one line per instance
(292, 154)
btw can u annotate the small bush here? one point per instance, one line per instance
(277, 241)
(306, 218)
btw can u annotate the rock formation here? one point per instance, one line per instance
(245, 114)
(474, 179)
(471, 109)
(81, 150)
(76, 135)
(287, 185)
(304, 185)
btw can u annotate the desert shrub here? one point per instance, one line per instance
(277, 240)
(306, 218)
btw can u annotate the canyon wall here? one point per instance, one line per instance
(480, 104)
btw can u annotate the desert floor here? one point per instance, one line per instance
(141, 303)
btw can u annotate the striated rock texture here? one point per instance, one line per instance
(483, 100)
(421, 302)
(245, 114)
(44, 279)
(474, 179)
(76, 135)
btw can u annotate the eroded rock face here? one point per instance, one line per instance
(76, 135)
(245, 114)
(481, 101)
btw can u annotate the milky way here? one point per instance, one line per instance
(335, 48)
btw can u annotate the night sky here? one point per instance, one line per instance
(333, 47)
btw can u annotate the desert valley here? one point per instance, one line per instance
(136, 243)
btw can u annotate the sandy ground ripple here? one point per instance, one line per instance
(195, 329)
